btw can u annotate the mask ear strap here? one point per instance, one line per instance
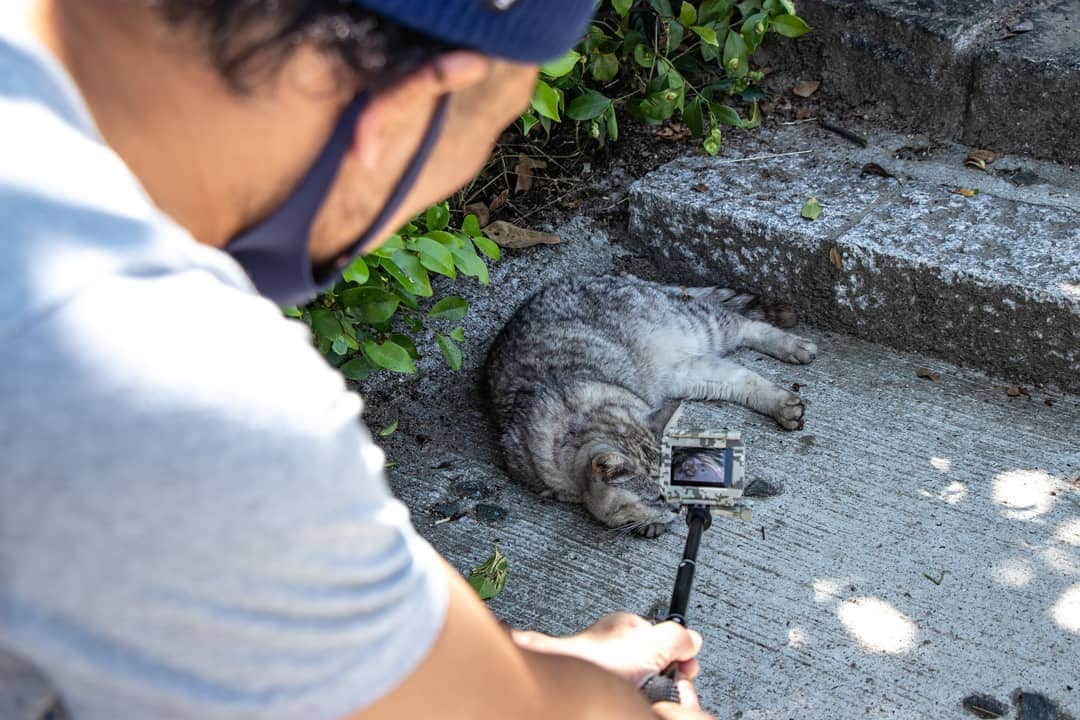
(331, 271)
(275, 253)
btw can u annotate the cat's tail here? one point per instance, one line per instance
(756, 308)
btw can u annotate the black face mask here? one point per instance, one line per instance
(276, 254)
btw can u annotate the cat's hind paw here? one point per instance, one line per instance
(789, 413)
(801, 351)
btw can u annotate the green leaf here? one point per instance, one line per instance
(471, 226)
(755, 118)
(339, 346)
(469, 262)
(612, 122)
(438, 217)
(604, 67)
(643, 56)
(458, 334)
(292, 311)
(694, 117)
(707, 35)
(487, 247)
(407, 270)
(726, 114)
(528, 122)
(713, 10)
(675, 34)
(563, 66)
(325, 324)
(713, 141)
(662, 6)
(489, 579)
(357, 272)
(688, 14)
(451, 308)
(406, 342)
(790, 26)
(450, 240)
(588, 106)
(389, 247)
(389, 355)
(735, 55)
(753, 30)
(434, 256)
(545, 101)
(370, 305)
(450, 351)
(389, 429)
(812, 209)
(622, 6)
(359, 368)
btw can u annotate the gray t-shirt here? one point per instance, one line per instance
(194, 522)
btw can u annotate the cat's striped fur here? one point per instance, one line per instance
(585, 375)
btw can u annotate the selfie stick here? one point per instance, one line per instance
(662, 687)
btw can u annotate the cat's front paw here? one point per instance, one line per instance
(789, 412)
(653, 530)
(801, 351)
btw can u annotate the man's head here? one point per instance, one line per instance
(222, 106)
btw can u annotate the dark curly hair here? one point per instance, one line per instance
(247, 37)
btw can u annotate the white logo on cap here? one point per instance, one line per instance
(501, 5)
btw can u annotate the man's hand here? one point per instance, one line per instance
(625, 644)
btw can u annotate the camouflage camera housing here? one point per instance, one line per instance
(702, 466)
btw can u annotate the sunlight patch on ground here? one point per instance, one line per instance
(1069, 532)
(941, 464)
(1012, 572)
(1024, 493)
(1066, 611)
(825, 590)
(877, 625)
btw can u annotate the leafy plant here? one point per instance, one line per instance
(369, 320)
(489, 579)
(653, 59)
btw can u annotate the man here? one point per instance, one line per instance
(193, 522)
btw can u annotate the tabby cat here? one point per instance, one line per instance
(586, 374)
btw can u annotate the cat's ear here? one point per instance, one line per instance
(606, 464)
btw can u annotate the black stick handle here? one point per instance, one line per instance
(662, 687)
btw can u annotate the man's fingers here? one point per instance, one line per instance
(675, 642)
(690, 668)
(688, 697)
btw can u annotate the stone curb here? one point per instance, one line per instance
(991, 281)
(950, 69)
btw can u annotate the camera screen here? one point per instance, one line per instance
(701, 467)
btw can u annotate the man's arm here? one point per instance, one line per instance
(476, 670)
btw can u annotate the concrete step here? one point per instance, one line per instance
(990, 282)
(951, 69)
(925, 547)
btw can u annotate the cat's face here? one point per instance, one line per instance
(622, 493)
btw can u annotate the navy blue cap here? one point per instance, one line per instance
(532, 31)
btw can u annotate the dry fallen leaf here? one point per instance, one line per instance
(499, 200)
(803, 114)
(834, 258)
(875, 169)
(966, 192)
(480, 210)
(524, 171)
(508, 235)
(806, 88)
(700, 187)
(674, 131)
(1013, 391)
(927, 375)
(980, 159)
